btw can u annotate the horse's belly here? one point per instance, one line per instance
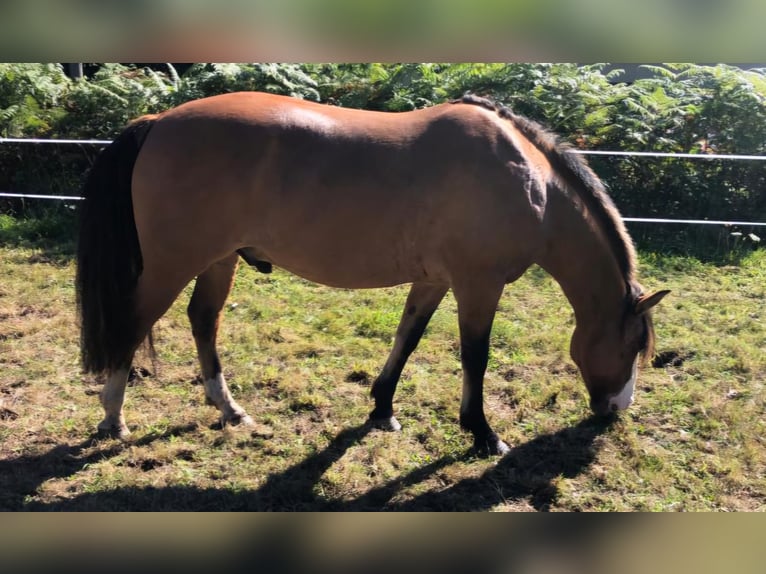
(351, 269)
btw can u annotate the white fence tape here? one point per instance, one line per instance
(36, 196)
(54, 141)
(577, 151)
(668, 154)
(692, 221)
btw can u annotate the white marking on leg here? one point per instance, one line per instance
(217, 392)
(624, 398)
(112, 398)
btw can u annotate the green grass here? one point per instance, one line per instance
(300, 358)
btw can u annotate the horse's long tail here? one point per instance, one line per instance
(109, 259)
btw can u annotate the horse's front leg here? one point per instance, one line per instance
(210, 293)
(420, 306)
(477, 305)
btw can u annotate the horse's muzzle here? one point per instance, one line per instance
(602, 407)
(606, 406)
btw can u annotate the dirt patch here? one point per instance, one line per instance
(7, 413)
(7, 402)
(145, 464)
(13, 335)
(186, 454)
(563, 368)
(308, 353)
(671, 358)
(300, 404)
(138, 374)
(28, 310)
(550, 401)
(526, 373)
(359, 377)
(510, 397)
(519, 373)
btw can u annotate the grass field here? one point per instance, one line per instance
(300, 358)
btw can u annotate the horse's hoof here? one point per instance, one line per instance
(501, 448)
(120, 432)
(386, 423)
(238, 419)
(491, 446)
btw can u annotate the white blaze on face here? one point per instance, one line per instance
(624, 398)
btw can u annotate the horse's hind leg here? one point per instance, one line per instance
(420, 306)
(210, 293)
(154, 295)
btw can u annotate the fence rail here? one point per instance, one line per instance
(704, 156)
(53, 141)
(692, 221)
(39, 196)
(708, 156)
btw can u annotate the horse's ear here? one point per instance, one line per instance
(646, 302)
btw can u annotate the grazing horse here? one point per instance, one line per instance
(464, 195)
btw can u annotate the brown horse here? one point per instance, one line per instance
(463, 195)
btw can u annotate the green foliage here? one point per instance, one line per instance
(30, 96)
(688, 109)
(203, 80)
(51, 229)
(382, 87)
(100, 107)
(681, 108)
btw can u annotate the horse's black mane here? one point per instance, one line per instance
(573, 169)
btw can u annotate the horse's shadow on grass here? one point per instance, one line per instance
(21, 476)
(525, 475)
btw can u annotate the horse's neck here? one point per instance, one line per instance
(583, 263)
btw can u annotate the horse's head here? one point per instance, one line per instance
(607, 351)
